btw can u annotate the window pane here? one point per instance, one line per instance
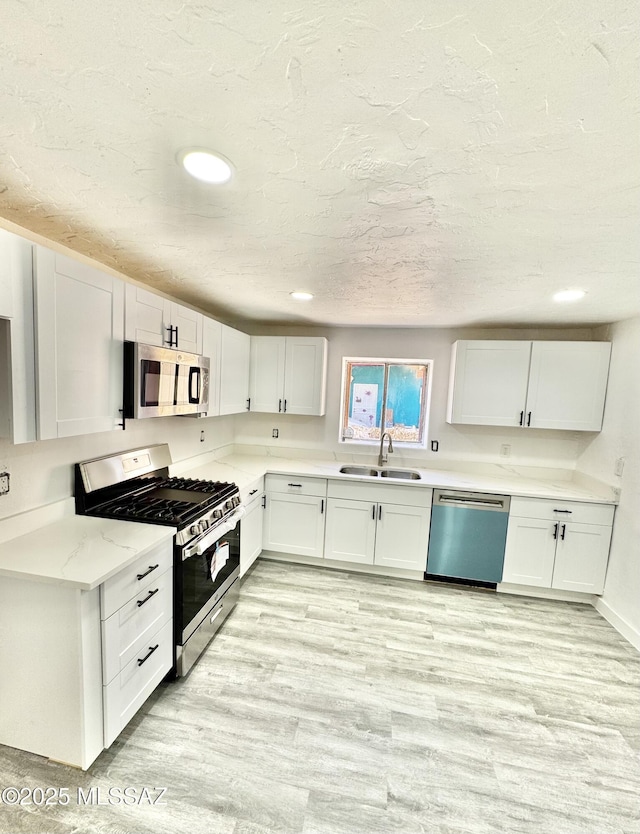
(405, 395)
(365, 390)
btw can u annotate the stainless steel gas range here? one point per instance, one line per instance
(136, 486)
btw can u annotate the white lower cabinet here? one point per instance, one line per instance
(375, 524)
(251, 527)
(351, 530)
(559, 545)
(79, 675)
(294, 514)
(137, 637)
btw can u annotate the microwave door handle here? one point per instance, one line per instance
(194, 376)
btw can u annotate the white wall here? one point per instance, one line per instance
(42, 472)
(620, 437)
(457, 443)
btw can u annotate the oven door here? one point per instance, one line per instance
(206, 570)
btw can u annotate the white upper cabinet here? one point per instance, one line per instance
(545, 385)
(212, 347)
(567, 385)
(79, 336)
(235, 350)
(288, 374)
(17, 353)
(7, 248)
(154, 320)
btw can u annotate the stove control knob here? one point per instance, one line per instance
(236, 500)
(194, 529)
(204, 524)
(218, 513)
(228, 505)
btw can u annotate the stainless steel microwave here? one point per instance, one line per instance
(159, 382)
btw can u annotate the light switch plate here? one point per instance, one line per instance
(4, 483)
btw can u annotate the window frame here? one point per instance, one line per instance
(344, 399)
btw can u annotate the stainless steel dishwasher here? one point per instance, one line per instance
(467, 536)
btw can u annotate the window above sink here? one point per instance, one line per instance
(385, 395)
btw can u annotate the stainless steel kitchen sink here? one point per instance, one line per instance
(369, 472)
(359, 470)
(406, 474)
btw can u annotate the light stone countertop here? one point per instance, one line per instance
(246, 471)
(82, 552)
(79, 551)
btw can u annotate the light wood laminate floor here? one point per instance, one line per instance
(337, 703)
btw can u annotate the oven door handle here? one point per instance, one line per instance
(213, 535)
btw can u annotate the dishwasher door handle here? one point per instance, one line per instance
(472, 502)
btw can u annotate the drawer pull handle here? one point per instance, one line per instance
(148, 654)
(216, 615)
(141, 602)
(253, 492)
(563, 511)
(295, 485)
(146, 573)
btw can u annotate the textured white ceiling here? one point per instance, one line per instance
(411, 163)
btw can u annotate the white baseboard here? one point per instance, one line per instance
(628, 631)
(545, 593)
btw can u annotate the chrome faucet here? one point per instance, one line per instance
(382, 459)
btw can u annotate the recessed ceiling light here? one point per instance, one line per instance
(301, 296)
(569, 295)
(206, 166)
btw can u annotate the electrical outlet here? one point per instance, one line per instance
(619, 467)
(434, 445)
(4, 483)
(274, 433)
(505, 450)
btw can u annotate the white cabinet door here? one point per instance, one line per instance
(187, 326)
(147, 317)
(294, 524)
(212, 347)
(351, 530)
(17, 350)
(488, 383)
(567, 385)
(529, 552)
(582, 553)
(305, 372)
(79, 332)
(266, 388)
(153, 320)
(7, 247)
(251, 534)
(234, 371)
(402, 537)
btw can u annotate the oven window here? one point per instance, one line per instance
(203, 575)
(158, 383)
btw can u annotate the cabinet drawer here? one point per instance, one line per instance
(135, 578)
(577, 511)
(252, 492)
(296, 485)
(381, 492)
(126, 633)
(126, 693)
